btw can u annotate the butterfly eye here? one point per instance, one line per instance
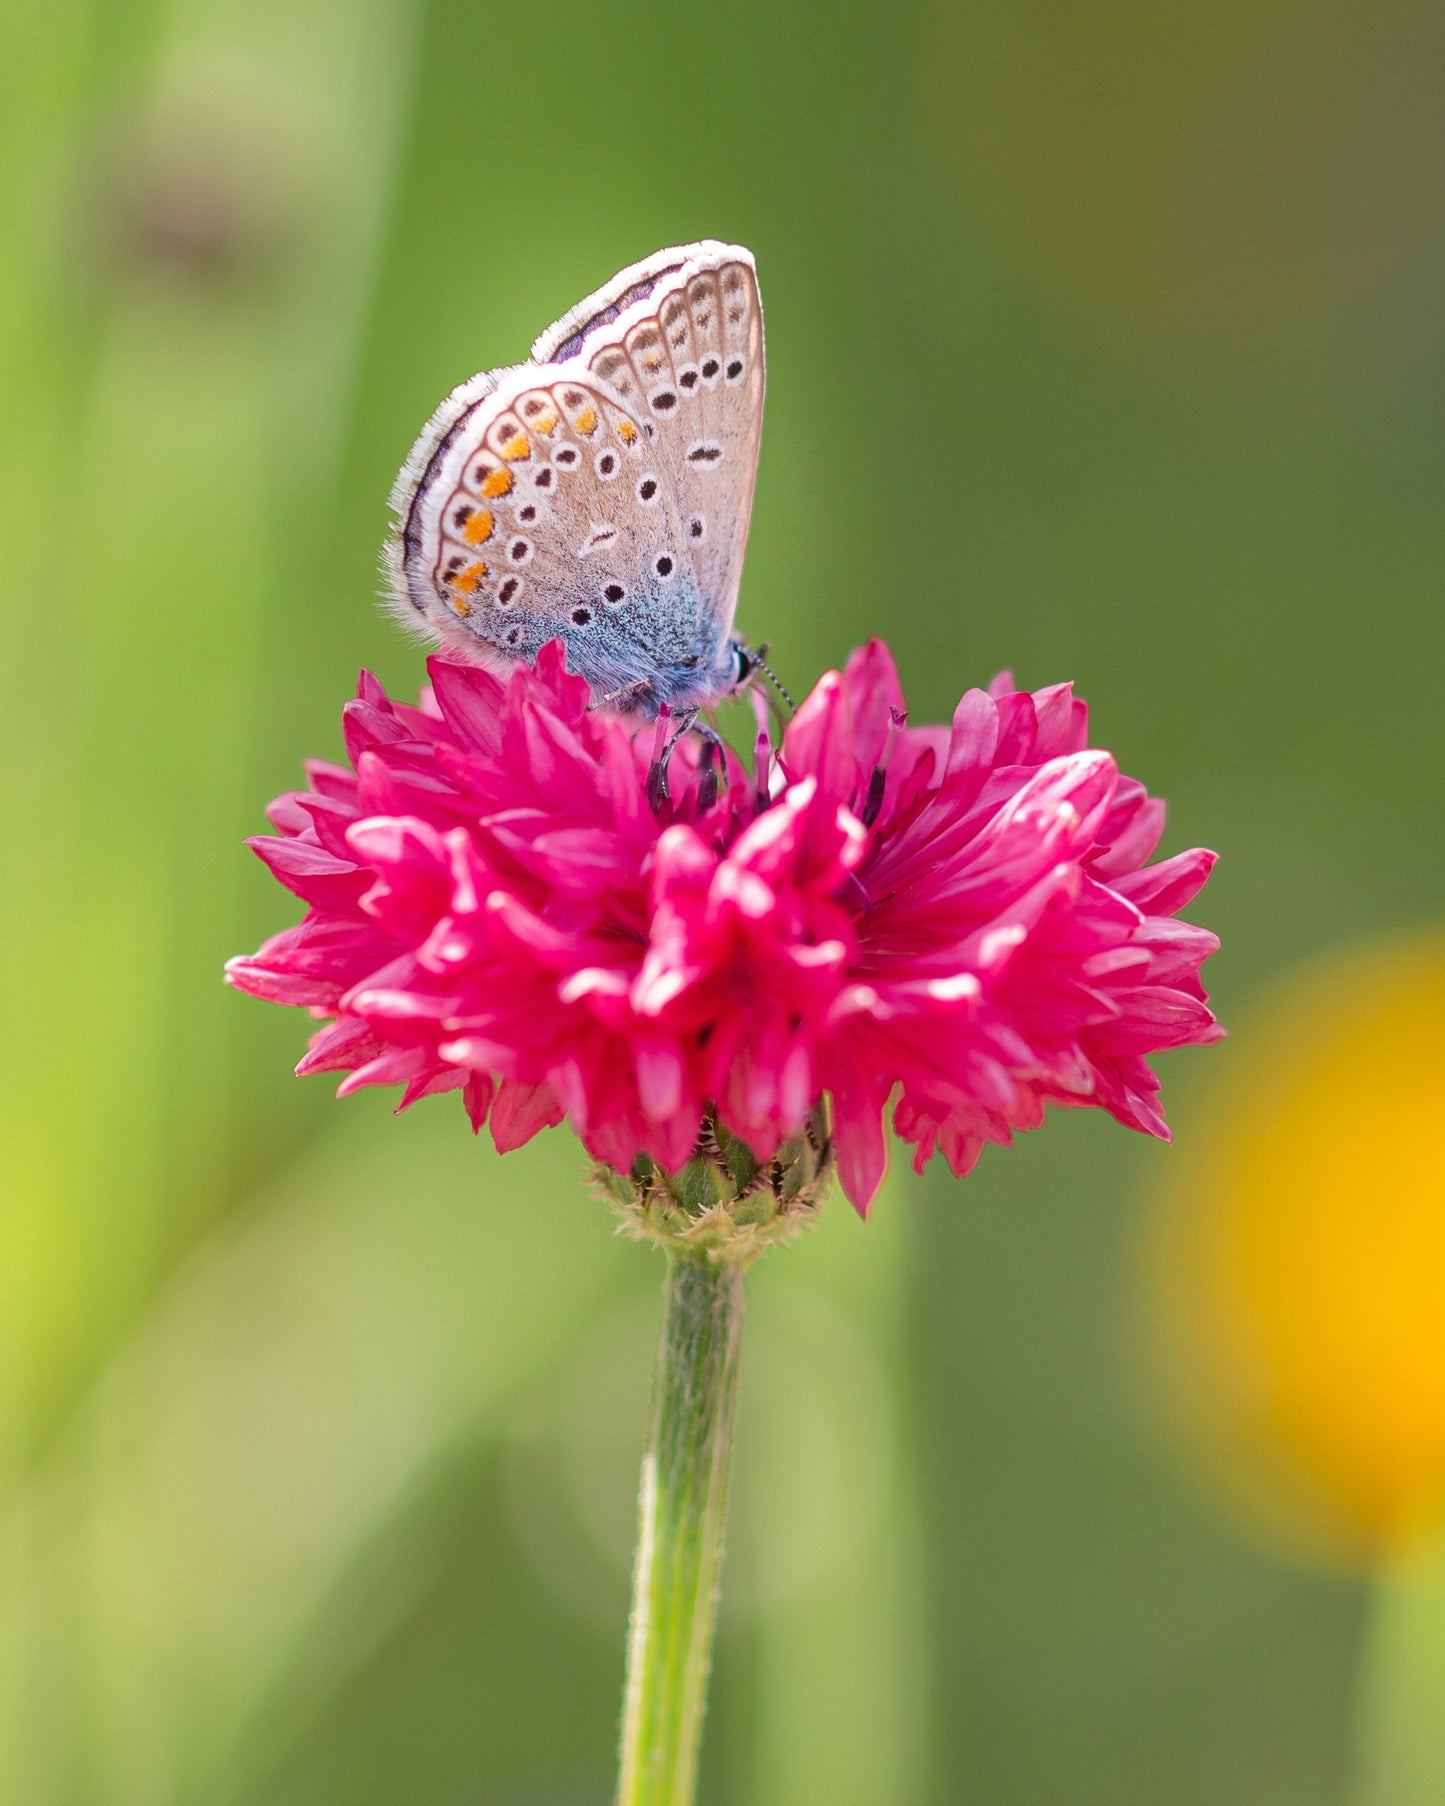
(647, 489)
(734, 370)
(696, 527)
(544, 479)
(687, 377)
(507, 594)
(581, 616)
(607, 466)
(662, 401)
(614, 593)
(567, 456)
(663, 567)
(710, 368)
(520, 551)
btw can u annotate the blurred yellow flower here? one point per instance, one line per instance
(1298, 1268)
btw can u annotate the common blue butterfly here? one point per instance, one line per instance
(600, 492)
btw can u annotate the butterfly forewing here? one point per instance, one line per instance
(563, 339)
(687, 356)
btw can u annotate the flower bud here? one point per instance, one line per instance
(725, 1204)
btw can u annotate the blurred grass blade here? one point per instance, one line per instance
(296, 1385)
(187, 341)
(1400, 1728)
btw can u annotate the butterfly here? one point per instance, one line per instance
(600, 492)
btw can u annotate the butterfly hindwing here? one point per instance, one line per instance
(535, 517)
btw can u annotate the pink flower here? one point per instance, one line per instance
(960, 919)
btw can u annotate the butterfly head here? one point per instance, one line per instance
(746, 664)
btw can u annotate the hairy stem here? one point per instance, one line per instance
(681, 1510)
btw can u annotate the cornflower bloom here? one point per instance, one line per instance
(504, 900)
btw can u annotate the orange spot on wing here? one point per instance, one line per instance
(626, 431)
(586, 421)
(462, 608)
(467, 580)
(498, 482)
(517, 447)
(544, 423)
(478, 529)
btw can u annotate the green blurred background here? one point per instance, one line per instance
(1104, 342)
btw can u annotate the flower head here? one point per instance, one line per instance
(503, 900)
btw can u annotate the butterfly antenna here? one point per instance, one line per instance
(760, 659)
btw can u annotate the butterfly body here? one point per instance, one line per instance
(600, 492)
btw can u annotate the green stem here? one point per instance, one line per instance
(681, 1510)
(1399, 1727)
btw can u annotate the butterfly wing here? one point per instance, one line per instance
(679, 339)
(528, 510)
(602, 492)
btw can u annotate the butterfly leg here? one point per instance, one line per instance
(630, 696)
(686, 721)
(678, 725)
